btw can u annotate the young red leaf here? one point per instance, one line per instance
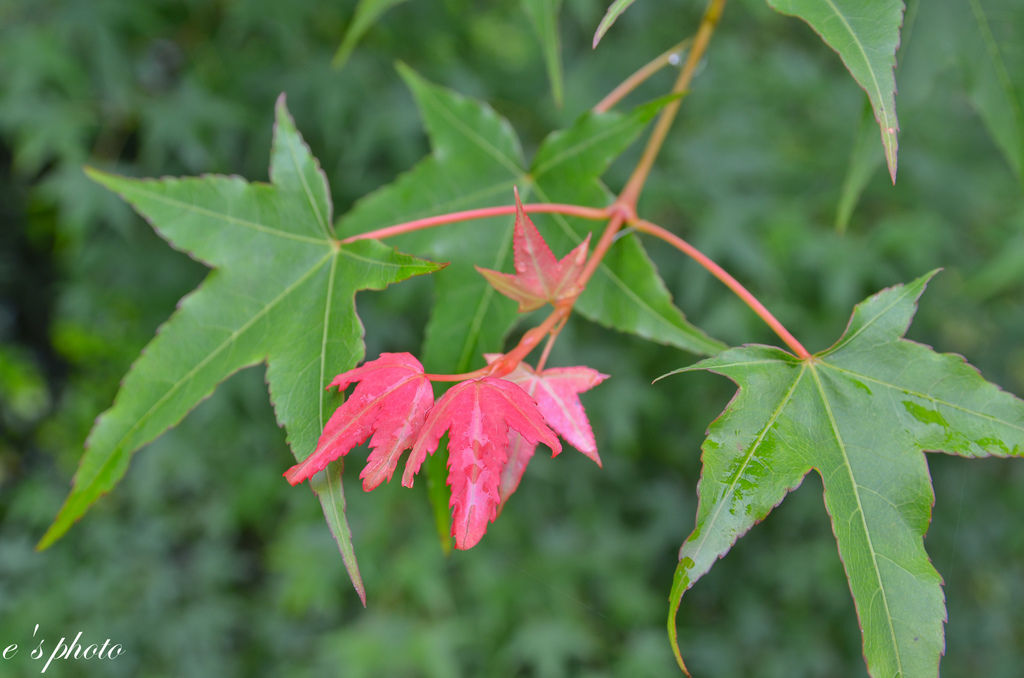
(556, 392)
(391, 401)
(520, 453)
(539, 277)
(478, 416)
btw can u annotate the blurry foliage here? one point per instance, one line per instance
(206, 563)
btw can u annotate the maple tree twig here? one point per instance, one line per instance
(542, 360)
(595, 213)
(631, 193)
(640, 76)
(475, 374)
(529, 341)
(737, 288)
(619, 217)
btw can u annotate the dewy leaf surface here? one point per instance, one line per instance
(282, 292)
(866, 34)
(860, 414)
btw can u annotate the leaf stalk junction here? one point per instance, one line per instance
(621, 213)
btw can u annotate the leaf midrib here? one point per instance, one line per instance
(246, 223)
(323, 341)
(860, 46)
(511, 164)
(923, 396)
(577, 149)
(321, 220)
(705, 531)
(198, 366)
(846, 339)
(482, 305)
(854, 485)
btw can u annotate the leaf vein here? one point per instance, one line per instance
(246, 223)
(925, 396)
(752, 450)
(174, 386)
(321, 219)
(863, 520)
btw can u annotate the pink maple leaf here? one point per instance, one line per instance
(556, 392)
(478, 416)
(539, 277)
(391, 402)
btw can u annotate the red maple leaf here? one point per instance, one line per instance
(556, 392)
(539, 277)
(478, 415)
(391, 401)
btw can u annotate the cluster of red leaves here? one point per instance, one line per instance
(493, 424)
(493, 427)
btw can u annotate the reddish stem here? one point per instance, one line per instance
(479, 213)
(542, 360)
(714, 269)
(618, 217)
(530, 340)
(475, 374)
(631, 193)
(638, 78)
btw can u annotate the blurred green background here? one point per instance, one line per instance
(203, 562)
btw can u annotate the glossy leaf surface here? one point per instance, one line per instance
(860, 414)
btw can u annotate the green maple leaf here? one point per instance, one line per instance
(281, 292)
(860, 414)
(865, 34)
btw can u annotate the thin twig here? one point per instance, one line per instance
(737, 288)
(480, 213)
(631, 193)
(640, 76)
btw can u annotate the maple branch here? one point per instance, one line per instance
(669, 56)
(463, 376)
(531, 339)
(738, 289)
(631, 193)
(619, 216)
(552, 325)
(479, 213)
(551, 342)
